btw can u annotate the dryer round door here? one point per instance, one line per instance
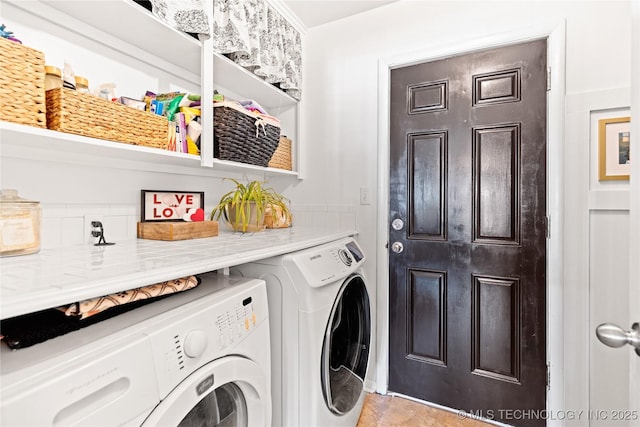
(230, 392)
(345, 351)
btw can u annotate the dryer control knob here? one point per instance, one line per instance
(195, 344)
(344, 257)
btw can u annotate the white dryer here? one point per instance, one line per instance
(196, 358)
(320, 333)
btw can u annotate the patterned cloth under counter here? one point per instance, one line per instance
(93, 306)
(33, 328)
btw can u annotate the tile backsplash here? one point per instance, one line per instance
(70, 224)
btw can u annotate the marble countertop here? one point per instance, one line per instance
(56, 277)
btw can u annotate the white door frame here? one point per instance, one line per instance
(555, 35)
(634, 202)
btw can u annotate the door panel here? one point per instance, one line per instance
(468, 177)
(496, 328)
(428, 175)
(609, 381)
(426, 317)
(496, 172)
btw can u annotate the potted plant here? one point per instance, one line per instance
(244, 207)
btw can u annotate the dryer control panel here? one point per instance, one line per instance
(328, 263)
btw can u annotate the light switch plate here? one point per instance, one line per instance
(365, 196)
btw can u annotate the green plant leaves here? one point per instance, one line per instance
(253, 195)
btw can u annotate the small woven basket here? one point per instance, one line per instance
(243, 137)
(75, 112)
(274, 217)
(22, 84)
(281, 158)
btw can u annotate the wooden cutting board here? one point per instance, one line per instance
(177, 230)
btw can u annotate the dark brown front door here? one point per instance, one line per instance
(468, 181)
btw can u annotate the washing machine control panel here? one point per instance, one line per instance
(210, 332)
(233, 325)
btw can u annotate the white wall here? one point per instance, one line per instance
(341, 66)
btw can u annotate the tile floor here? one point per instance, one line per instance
(394, 411)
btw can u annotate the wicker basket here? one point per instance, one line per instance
(274, 217)
(79, 113)
(22, 84)
(281, 158)
(241, 136)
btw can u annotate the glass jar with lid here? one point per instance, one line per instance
(52, 77)
(82, 84)
(19, 224)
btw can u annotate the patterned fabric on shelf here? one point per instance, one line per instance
(190, 16)
(250, 32)
(257, 37)
(90, 307)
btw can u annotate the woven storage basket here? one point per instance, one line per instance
(241, 136)
(22, 84)
(275, 218)
(281, 158)
(75, 112)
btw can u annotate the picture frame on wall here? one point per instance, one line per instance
(614, 162)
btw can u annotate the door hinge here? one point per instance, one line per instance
(547, 227)
(548, 376)
(548, 78)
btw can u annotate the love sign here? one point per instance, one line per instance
(172, 206)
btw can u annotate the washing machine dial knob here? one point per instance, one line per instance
(195, 344)
(344, 257)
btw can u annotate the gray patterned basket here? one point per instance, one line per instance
(242, 136)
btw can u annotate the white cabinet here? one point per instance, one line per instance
(135, 46)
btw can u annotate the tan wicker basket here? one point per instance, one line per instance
(22, 84)
(75, 112)
(274, 217)
(281, 158)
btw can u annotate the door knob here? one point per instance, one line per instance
(614, 336)
(397, 247)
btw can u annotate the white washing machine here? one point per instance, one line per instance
(196, 358)
(320, 333)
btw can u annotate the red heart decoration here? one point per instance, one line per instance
(198, 215)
